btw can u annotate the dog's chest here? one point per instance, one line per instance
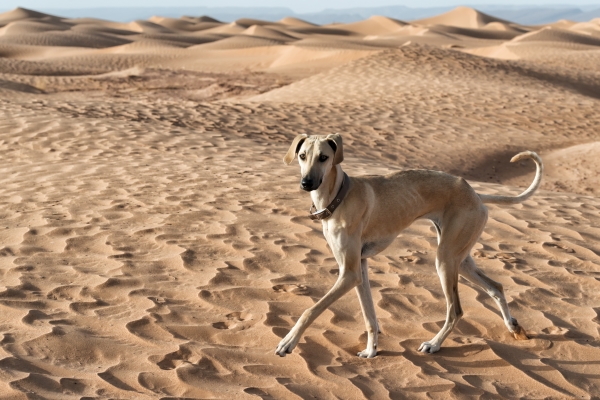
(369, 247)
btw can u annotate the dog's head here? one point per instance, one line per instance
(317, 155)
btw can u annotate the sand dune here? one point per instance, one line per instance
(241, 42)
(376, 25)
(329, 43)
(491, 34)
(298, 61)
(66, 39)
(102, 28)
(558, 35)
(22, 14)
(148, 27)
(177, 38)
(572, 168)
(589, 28)
(500, 26)
(248, 22)
(31, 27)
(412, 33)
(290, 21)
(323, 30)
(392, 75)
(228, 29)
(260, 31)
(461, 17)
(153, 245)
(502, 51)
(201, 19)
(176, 24)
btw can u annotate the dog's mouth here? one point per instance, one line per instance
(308, 189)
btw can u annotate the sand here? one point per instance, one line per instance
(153, 244)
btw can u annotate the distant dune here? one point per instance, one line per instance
(291, 45)
(523, 14)
(154, 246)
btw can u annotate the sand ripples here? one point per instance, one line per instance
(152, 244)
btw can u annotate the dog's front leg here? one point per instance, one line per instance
(368, 309)
(349, 277)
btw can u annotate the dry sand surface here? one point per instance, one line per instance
(153, 244)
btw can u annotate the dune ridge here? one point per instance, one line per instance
(153, 245)
(462, 29)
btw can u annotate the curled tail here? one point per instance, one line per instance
(530, 190)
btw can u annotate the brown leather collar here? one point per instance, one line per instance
(328, 211)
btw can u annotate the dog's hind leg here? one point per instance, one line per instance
(470, 272)
(368, 309)
(447, 269)
(456, 237)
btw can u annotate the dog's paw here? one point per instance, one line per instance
(286, 346)
(519, 333)
(517, 330)
(367, 353)
(428, 347)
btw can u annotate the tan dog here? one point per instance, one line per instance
(375, 210)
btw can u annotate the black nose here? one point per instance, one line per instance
(306, 184)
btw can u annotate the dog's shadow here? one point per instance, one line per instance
(529, 357)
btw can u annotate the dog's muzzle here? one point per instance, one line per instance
(309, 184)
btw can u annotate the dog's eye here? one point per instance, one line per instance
(302, 156)
(323, 158)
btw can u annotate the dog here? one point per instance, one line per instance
(361, 216)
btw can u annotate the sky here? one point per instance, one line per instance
(297, 6)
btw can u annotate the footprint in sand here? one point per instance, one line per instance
(174, 359)
(559, 246)
(507, 257)
(223, 325)
(555, 330)
(300, 290)
(411, 259)
(234, 320)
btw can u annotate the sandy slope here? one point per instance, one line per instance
(153, 245)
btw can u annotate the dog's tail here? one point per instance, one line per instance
(530, 190)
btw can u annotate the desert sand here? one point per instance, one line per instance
(153, 244)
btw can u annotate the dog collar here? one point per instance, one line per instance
(328, 211)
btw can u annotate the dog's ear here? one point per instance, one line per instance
(335, 141)
(294, 148)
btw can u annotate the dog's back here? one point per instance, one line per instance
(402, 197)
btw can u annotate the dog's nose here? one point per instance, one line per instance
(306, 184)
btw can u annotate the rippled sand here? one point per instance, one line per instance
(153, 244)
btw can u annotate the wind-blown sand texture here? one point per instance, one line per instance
(153, 244)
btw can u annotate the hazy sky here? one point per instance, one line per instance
(297, 6)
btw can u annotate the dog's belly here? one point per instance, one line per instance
(372, 248)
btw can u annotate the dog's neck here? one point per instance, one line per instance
(329, 188)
